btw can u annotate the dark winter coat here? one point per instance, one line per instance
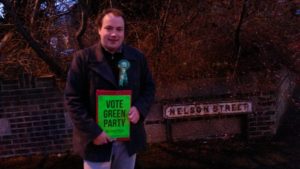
(90, 71)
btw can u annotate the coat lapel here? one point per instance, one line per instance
(100, 66)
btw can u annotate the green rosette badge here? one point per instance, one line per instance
(123, 65)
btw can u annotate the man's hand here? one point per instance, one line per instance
(101, 139)
(134, 115)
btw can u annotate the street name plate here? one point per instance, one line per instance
(172, 111)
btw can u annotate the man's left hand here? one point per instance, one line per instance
(134, 115)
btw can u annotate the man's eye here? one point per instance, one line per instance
(120, 29)
(108, 28)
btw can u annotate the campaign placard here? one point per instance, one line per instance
(112, 112)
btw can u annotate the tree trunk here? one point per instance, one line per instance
(53, 65)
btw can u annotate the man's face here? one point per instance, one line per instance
(112, 32)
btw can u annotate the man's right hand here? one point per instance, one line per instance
(101, 139)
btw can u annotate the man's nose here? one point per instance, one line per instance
(114, 33)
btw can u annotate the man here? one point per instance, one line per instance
(95, 68)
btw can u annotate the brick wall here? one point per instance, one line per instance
(261, 122)
(257, 124)
(269, 104)
(32, 117)
(270, 107)
(286, 87)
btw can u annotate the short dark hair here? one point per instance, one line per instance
(114, 11)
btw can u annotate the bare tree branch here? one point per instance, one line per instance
(237, 51)
(5, 39)
(80, 32)
(54, 17)
(53, 65)
(187, 22)
(3, 26)
(35, 11)
(162, 27)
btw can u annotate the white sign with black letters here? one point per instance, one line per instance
(201, 109)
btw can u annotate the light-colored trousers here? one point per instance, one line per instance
(119, 159)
